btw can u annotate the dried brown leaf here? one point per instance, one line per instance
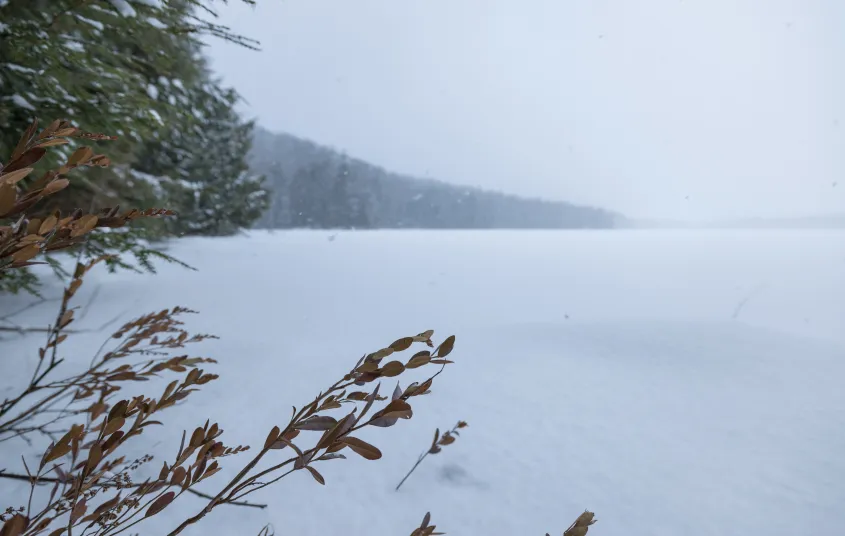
(383, 422)
(197, 437)
(53, 142)
(78, 511)
(332, 456)
(83, 225)
(58, 451)
(25, 139)
(48, 225)
(66, 132)
(114, 425)
(446, 346)
(51, 128)
(317, 423)
(160, 503)
(272, 437)
(336, 431)
(27, 159)
(8, 197)
(26, 253)
(15, 525)
(118, 410)
(381, 354)
(402, 344)
(369, 366)
(362, 448)
(95, 456)
(55, 186)
(422, 388)
(585, 519)
(394, 368)
(112, 440)
(80, 156)
(316, 474)
(424, 336)
(397, 408)
(13, 177)
(418, 360)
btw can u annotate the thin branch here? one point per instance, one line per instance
(27, 308)
(52, 480)
(235, 503)
(419, 461)
(23, 330)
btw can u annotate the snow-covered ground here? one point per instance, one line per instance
(675, 382)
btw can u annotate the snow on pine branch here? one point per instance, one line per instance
(123, 7)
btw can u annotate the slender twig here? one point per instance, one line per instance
(27, 308)
(52, 480)
(22, 330)
(446, 439)
(419, 461)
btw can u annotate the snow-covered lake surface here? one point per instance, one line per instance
(674, 382)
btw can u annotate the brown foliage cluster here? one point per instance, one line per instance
(86, 477)
(447, 439)
(28, 236)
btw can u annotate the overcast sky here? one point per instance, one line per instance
(689, 109)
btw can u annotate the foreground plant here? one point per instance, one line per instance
(83, 482)
(88, 483)
(26, 236)
(91, 484)
(436, 446)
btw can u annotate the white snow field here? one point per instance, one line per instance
(674, 382)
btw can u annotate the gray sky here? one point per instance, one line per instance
(689, 109)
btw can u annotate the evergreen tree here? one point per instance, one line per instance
(214, 192)
(132, 68)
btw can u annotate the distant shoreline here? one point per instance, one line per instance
(813, 222)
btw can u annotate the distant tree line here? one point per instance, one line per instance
(316, 187)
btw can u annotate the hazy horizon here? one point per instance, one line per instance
(670, 110)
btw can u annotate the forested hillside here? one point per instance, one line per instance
(318, 187)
